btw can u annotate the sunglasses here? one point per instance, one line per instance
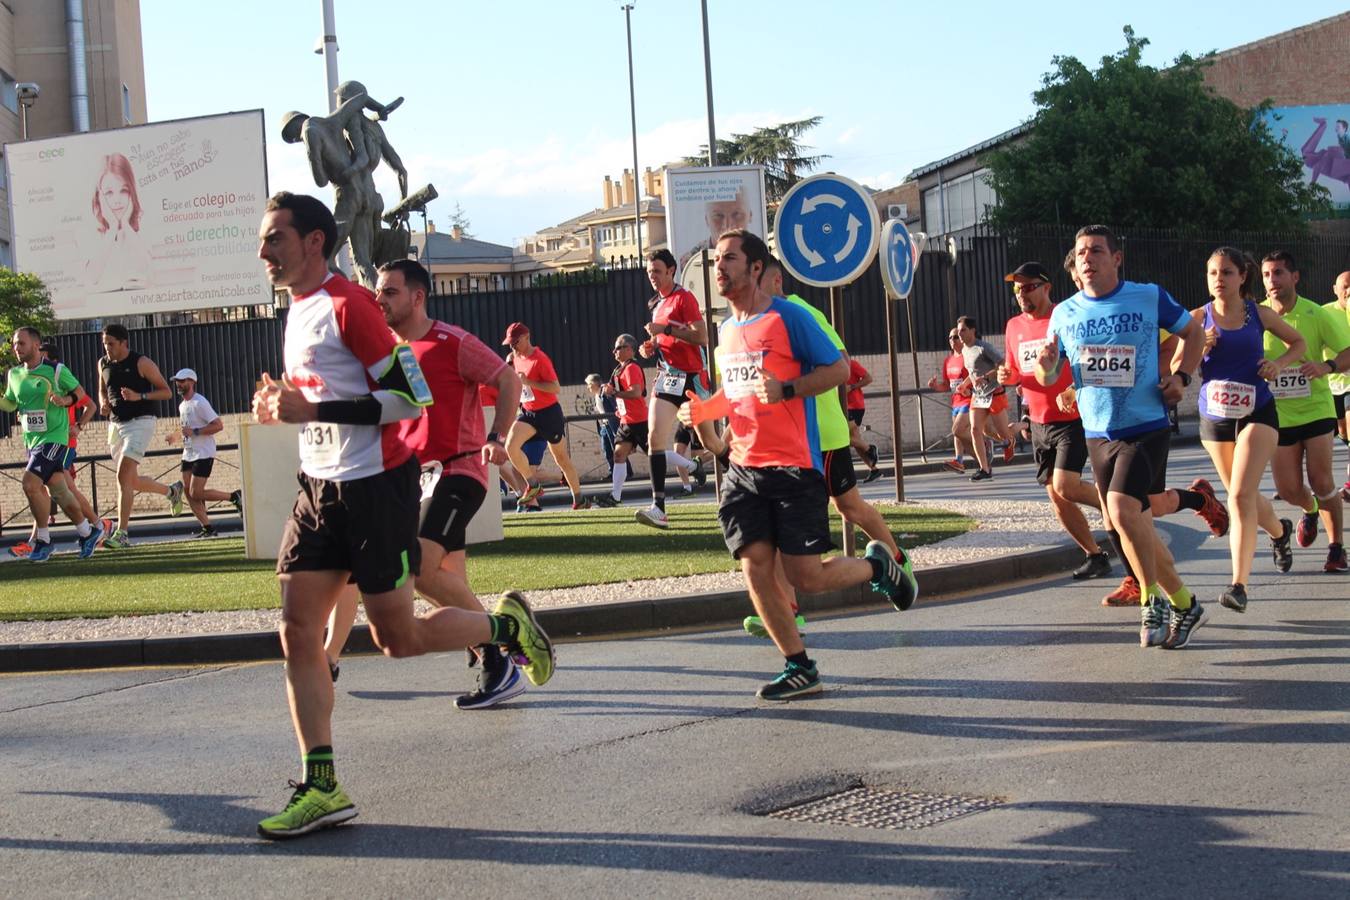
(1026, 287)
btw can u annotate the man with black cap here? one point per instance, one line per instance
(1057, 437)
(199, 426)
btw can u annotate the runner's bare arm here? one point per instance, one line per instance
(1293, 339)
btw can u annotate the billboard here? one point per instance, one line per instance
(1320, 136)
(701, 203)
(153, 218)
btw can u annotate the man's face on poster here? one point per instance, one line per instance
(724, 215)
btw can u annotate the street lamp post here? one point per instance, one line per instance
(632, 111)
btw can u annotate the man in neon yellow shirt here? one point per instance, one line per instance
(1307, 412)
(1340, 382)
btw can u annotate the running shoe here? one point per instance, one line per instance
(89, 544)
(309, 809)
(119, 540)
(1211, 510)
(653, 516)
(872, 475)
(533, 507)
(1125, 595)
(237, 498)
(531, 640)
(1097, 565)
(206, 532)
(176, 498)
(1345, 492)
(982, 475)
(583, 503)
(334, 670)
(872, 456)
(497, 682)
(1235, 598)
(1153, 622)
(1307, 530)
(687, 490)
(606, 501)
(700, 473)
(1182, 625)
(955, 465)
(21, 550)
(754, 626)
(531, 494)
(897, 579)
(1335, 559)
(108, 527)
(795, 681)
(1284, 554)
(41, 552)
(1009, 450)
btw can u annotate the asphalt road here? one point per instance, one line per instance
(644, 767)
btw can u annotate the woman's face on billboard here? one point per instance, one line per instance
(114, 195)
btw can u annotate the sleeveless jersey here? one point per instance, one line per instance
(124, 374)
(1228, 379)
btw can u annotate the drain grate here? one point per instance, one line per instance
(865, 807)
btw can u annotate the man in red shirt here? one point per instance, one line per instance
(540, 413)
(678, 336)
(349, 385)
(1057, 437)
(952, 377)
(859, 378)
(628, 386)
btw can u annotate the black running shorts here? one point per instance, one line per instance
(1297, 434)
(1136, 466)
(634, 433)
(1225, 431)
(1058, 445)
(659, 388)
(200, 468)
(856, 416)
(367, 527)
(839, 475)
(446, 516)
(783, 505)
(548, 423)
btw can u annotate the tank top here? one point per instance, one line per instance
(123, 374)
(1231, 365)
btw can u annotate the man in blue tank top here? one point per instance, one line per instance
(1108, 334)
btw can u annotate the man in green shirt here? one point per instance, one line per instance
(41, 393)
(1340, 382)
(1307, 412)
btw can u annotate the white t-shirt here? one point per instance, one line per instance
(197, 413)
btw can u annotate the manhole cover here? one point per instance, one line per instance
(865, 807)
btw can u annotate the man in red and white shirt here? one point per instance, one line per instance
(628, 386)
(349, 385)
(540, 413)
(1057, 437)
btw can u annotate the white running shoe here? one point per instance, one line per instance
(654, 516)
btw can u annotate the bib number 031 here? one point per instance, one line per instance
(320, 444)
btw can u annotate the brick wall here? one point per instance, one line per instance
(1302, 67)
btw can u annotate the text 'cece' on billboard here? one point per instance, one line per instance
(152, 218)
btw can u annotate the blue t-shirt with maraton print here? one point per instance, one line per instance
(1114, 339)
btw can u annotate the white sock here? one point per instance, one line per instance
(620, 474)
(44, 535)
(678, 461)
(83, 529)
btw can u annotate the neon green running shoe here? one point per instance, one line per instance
(310, 809)
(176, 498)
(754, 626)
(119, 540)
(531, 640)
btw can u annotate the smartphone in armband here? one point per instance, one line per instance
(412, 373)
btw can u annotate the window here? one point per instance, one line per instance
(126, 105)
(9, 94)
(965, 201)
(6, 258)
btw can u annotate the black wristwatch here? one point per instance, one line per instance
(666, 330)
(1185, 379)
(144, 395)
(789, 390)
(494, 438)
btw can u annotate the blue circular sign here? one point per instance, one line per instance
(897, 258)
(827, 230)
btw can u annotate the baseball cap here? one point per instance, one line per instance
(185, 375)
(1029, 270)
(514, 332)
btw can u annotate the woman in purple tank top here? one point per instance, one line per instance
(1238, 423)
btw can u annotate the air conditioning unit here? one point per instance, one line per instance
(897, 211)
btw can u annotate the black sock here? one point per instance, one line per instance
(319, 770)
(505, 630)
(1189, 499)
(658, 465)
(802, 660)
(1120, 552)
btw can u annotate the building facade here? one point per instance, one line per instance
(607, 236)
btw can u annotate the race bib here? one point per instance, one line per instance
(430, 477)
(740, 374)
(670, 383)
(1107, 365)
(187, 441)
(1027, 353)
(320, 444)
(1230, 399)
(981, 401)
(34, 420)
(954, 384)
(1290, 384)
(526, 394)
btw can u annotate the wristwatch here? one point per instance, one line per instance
(144, 395)
(494, 438)
(666, 330)
(789, 390)
(1185, 379)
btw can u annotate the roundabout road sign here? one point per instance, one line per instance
(898, 258)
(827, 230)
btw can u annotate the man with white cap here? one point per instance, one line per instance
(200, 424)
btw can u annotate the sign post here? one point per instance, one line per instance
(899, 261)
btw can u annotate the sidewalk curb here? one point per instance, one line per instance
(565, 623)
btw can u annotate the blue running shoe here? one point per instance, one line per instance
(42, 551)
(89, 544)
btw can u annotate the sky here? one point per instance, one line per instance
(518, 110)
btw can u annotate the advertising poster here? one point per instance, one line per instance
(1320, 136)
(701, 203)
(153, 218)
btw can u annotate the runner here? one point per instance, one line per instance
(1307, 411)
(858, 378)
(199, 427)
(540, 414)
(628, 386)
(1239, 425)
(988, 400)
(41, 393)
(953, 378)
(350, 385)
(128, 386)
(1340, 381)
(1109, 335)
(678, 335)
(690, 449)
(1057, 437)
(771, 356)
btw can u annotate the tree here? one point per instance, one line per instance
(1131, 145)
(24, 300)
(458, 217)
(777, 148)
